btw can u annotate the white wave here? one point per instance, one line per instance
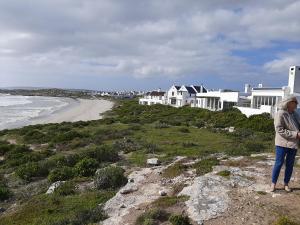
(10, 100)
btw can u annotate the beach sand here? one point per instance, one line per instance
(85, 110)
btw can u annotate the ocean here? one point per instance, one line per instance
(19, 111)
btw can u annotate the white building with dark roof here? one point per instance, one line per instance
(184, 95)
(153, 97)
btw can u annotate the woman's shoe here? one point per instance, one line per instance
(287, 189)
(272, 188)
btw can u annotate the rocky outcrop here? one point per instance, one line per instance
(53, 186)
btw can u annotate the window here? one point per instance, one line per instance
(173, 101)
(172, 93)
(292, 68)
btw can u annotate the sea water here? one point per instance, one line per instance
(18, 111)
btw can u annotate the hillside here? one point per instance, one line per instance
(204, 168)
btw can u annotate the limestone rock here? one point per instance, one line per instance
(153, 162)
(53, 186)
(162, 193)
(128, 189)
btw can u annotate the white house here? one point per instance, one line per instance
(153, 97)
(217, 100)
(184, 95)
(265, 100)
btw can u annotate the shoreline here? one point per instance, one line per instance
(77, 110)
(80, 110)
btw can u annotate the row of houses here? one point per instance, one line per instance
(254, 100)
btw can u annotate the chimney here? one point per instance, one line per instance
(247, 88)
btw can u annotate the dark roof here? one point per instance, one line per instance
(190, 90)
(157, 93)
(198, 89)
(177, 87)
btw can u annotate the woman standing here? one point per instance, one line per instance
(287, 125)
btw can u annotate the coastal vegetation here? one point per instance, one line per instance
(80, 153)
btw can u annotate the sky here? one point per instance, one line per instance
(148, 44)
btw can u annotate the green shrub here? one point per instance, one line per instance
(168, 201)
(151, 148)
(103, 153)
(205, 166)
(5, 147)
(67, 188)
(86, 167)
(188, 144)
(179, 220)
(285, 221)
(67, 136)
(224, 173)
(4, 192)
(31, 170)
(36, 136)
(174, 170)
(110, 177)
(160, 125)
(126, 145)
(184, 130)
(60, 174)
(153, 217)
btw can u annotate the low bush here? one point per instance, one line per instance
(184, 130)
(31, 170)
(110, 177)
(126, 145)
(284, 220)
(179, 220)
(224, 173)
(152, 217)
(61, 174)
(168, 201)
(4, 192)
(5, 147)
(174, 170)
(205, 166)
(67, 188)
(86, 167)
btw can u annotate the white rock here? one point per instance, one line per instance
(162, 193)
(153, 162)
(128, 189)
(53, 186)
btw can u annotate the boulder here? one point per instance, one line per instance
(128, 189)
(162, 193)
(53, 186)
(153, 162)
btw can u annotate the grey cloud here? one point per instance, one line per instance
(171, 38)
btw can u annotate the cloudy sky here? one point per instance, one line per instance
(146, 44)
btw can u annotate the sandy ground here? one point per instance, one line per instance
(83, 111)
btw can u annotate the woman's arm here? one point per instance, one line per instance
(280, 127)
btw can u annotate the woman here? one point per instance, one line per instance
(287, 124)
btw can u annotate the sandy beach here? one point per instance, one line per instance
(85, 110)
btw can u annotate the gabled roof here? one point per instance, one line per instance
(199, 89)
(157, 93)
(190, 90)
(177, 87)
